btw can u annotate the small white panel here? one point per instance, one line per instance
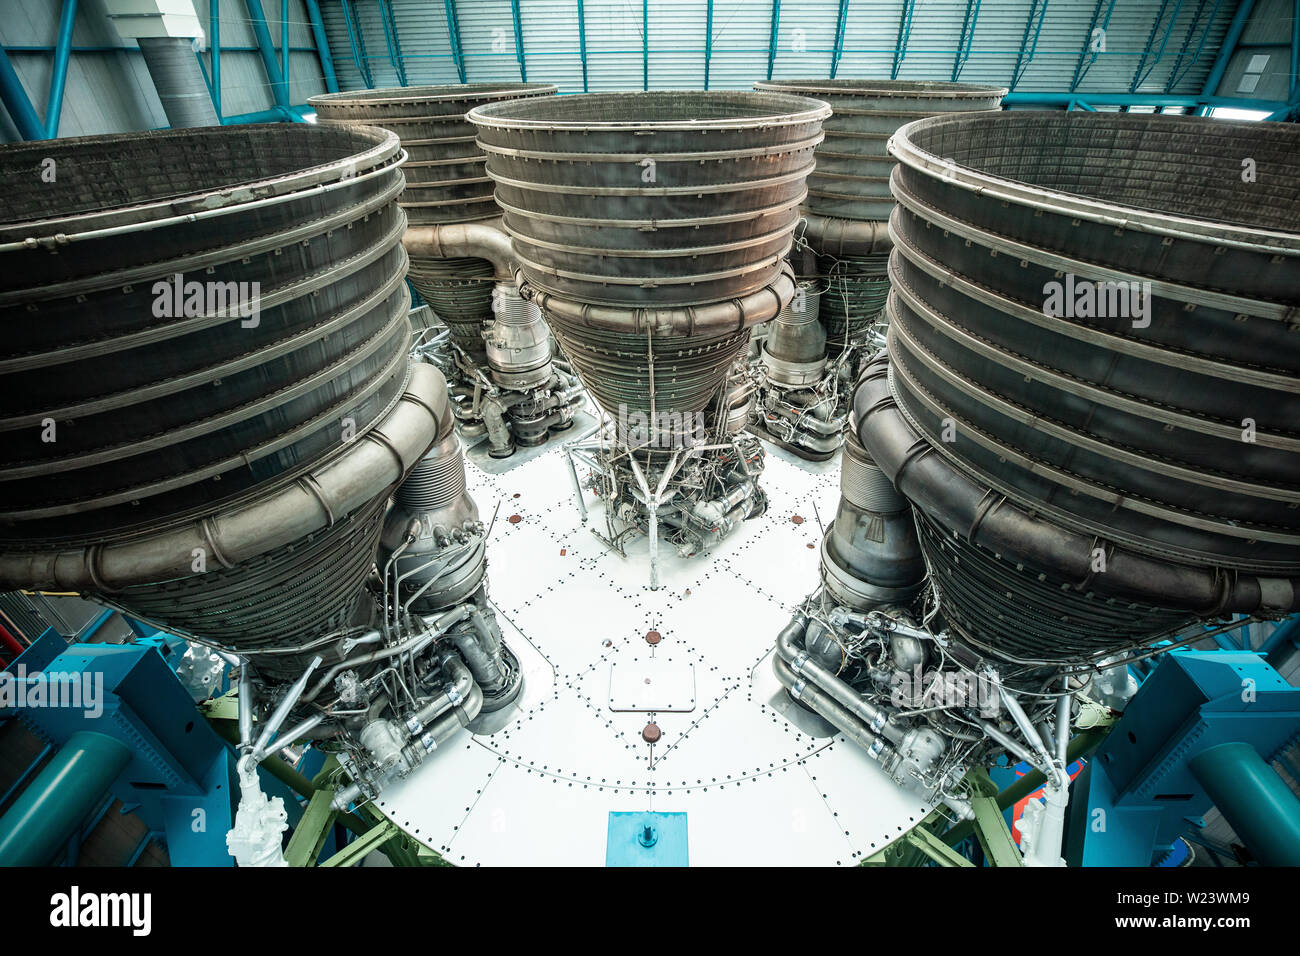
(652, 684)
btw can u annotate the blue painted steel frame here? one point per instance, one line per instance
(214, 44)
(59, 76)
(775, 36)
(1295, 50)
(1063, 100)
(1027, 47)
(1138, 793)
(180, 770)
(15, 97)
(519, 40)
(178, 765)
(357, 43)
(837, 51)
(904, 33)
(969, 20)
(453, 34)
(390, 39)
(708, 43)
(582, 43)
(1139, 76)
(322, 45)
(1177, 72)
(266, 47)
(1235, 28)
(15, 100)
(1085, 62)
(285, 75)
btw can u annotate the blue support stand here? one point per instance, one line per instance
(1143, 790)
(178, 776)
(646, 839)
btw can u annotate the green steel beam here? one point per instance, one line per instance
(313, 829)
(1085, 60)
(645, 45)
(904, 32)
(519, 40)
(774, 38)
(453, 34)
(708, 41)
(838, 50)
(354, 852)
(1178, 72)
(390, 39)
(1029, 47)
(581, 40)
(222, 714)
(934, 848)
(1143, 72)
(991, 830)
(967, 37)
(1081, 746)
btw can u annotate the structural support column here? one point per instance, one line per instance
(54, 805)
(266, 47)
(1254, 800)
(16, 102)
(59, 77)
(322, 46)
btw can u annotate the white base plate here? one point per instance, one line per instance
(756, 789)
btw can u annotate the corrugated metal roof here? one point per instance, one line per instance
(1039, 45)
(1151, 46)
(551, 43)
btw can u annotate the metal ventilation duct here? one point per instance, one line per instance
(178, 78)
(680, 202)
(1092, 387)
(205, 363)
(445, 183)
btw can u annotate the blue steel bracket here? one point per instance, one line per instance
(181, 776)
(647, 839)
(1138, 794)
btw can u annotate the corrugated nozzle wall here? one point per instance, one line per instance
(1107, 346)
(446, 182)
(205, 331)
(650, 201)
